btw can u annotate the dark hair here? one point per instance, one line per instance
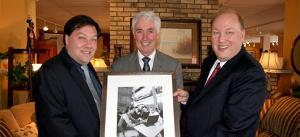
(78, 22)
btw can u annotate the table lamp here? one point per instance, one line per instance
(98, 64)
(36, 67)
(270, 61)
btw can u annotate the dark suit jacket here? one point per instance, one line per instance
(162, 62)
(229, 105)
(64, 105)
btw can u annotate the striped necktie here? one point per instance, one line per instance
(146, 64)
(214, 73)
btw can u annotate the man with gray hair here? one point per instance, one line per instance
(146, 28)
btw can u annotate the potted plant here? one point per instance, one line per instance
(3, 55)
(20, 78)
(3, 63)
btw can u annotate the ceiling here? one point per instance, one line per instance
(59, 11)
(261, 16)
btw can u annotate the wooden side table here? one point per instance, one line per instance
(279, 81)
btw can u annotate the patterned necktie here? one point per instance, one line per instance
(146, 63)
(91, 86)
(214, 73)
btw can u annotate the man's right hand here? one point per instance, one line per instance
(182, 96)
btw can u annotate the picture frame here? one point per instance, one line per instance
(180, 39)
(295, 61)
(133, 104)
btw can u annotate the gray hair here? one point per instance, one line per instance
(147, 15)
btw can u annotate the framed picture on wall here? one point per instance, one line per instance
(135, 104)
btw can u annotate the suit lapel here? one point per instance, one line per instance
(134, 64)
(157, 64)
(79, 80)
(201, 88)
(84, 89)
(223, 73)
(94, 73)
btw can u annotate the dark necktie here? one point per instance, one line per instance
(214, 73)
(146, 63)
(91, 86)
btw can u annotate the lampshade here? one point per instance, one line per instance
(98, 63)
(36, 67)
(270, 60)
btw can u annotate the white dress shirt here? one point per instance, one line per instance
(214, 66)
(151, 56)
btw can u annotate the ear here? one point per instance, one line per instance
(67, 39)
(158, 34)
(243, 34)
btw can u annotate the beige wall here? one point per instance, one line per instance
(291, 31)
(13, 15)
(292, 27)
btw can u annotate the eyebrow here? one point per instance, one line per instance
(146, 29)
(226, 29)
(138, 29)
(230, 28)
(80, 33)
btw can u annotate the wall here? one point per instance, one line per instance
(13, 26)
(13, 16)
(121, 12)
(292, 26)
(291, 31)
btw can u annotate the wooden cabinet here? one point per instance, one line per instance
(51, 46)
(11, 71)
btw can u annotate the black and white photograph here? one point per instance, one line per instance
(140, 111)
(135, 105)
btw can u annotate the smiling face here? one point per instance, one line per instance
(146, 36)
(227, 36)
(81, 45)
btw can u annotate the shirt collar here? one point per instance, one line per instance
(151, 56)
(222, 63)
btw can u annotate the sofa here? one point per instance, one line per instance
(18, 121)
(280, 118)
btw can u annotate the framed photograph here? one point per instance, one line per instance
(180, 39)
(139, 104)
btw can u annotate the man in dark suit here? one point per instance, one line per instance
(67, 105)
(227, 102)
(146, 28)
